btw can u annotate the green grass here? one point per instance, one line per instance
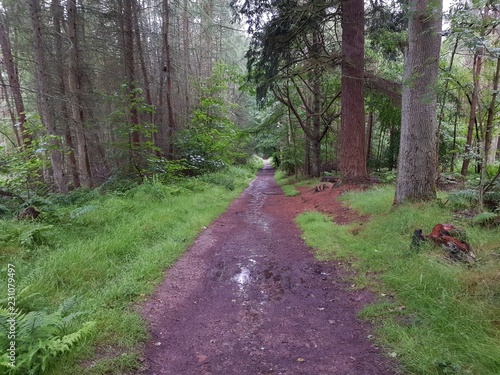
(289, 183)
(110, 252)
(437, 316)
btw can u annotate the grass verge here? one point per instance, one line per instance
(435, 315)
(289, 183)
(108, 252)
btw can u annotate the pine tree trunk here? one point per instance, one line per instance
(58, 16)
(169, 84)
(6, 95)
(488, 134)
(43, 97)
(416, 180)
(316, 127)
(15, 87)
(129, 62)
(74, 88)
(187, 58)
(353, 153)
(476, 73)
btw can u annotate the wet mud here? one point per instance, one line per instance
(248, 298)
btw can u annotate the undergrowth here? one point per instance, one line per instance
(435, 315)
(288, 183)
(109, 250)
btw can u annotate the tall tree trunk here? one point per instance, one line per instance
(455, 126)
(187, 58)
(369, 136)
(169, 82)
(443, 100)
(43, 97)
(58, 16)
(129, 62)
(15, 87)
(207, 38)
(142, 60)
(416, 180)
(316, 163)
(353, 154)
(75, 94)
(18, 143)
(488, 133)
(476, 73)
(149, 115)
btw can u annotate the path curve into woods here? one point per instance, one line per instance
(249, 298)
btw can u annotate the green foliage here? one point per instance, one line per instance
(111, 250)
(167, 170)
(435, 315)
(288, 183)
(463, 199)
(35, 237)
(487, 219)
(21, 171)
(212, 141)
(129, 101)
(386, 176)
(39, 337)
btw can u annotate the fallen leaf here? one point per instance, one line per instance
(301, 360)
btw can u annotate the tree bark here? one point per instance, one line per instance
(476, 73)
(58, 16)
(187, 58)
(416, 180)
(491, 115)
(18, 143)
(15, 87)
(43, 97)
(129, 63)
(369, 136)
(443, 100)
(75, 94)
(168, 72)
(353, 154)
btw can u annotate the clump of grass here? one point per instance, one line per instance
(110, 251)
(436, 315)
(289, 183)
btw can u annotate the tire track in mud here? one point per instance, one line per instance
(248, 298)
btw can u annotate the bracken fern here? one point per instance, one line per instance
(39, 337)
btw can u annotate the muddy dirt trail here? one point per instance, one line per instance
(248, 298)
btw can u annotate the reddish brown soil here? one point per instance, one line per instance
(248, 298)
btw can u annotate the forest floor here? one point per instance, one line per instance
(249, 297)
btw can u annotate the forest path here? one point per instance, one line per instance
(248, 298)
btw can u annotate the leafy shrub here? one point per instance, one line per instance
(386, 176)
(492, 199)
(33, 237)
(462, 199)
(486, 219)
(219, 179)
(39, 337)
(4, 210)
(167, 170)
(212, 141)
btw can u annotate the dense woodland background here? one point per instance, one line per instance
(95, 91)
